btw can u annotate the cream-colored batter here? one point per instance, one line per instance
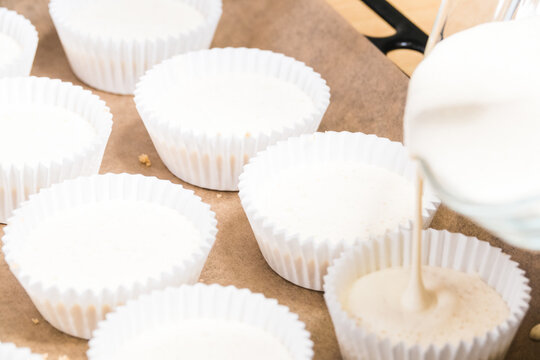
(107, 244)
(234, 103)
(204, 339)
(464, 306)
(416, 297)
(338, 200)
(39, 132)
(10, 49)
(134, 19)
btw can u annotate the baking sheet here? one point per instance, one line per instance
(368, 95)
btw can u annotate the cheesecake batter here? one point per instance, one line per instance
(107, 244)
(204, 339)
(416, 297)
(234, 103)
(37, 132)
(338, 200)
(134, 19)
(463, 306)
(9, 49)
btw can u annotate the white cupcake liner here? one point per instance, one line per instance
(213, 160)
(18, 181)
(78, 312)
(174, 305)
(304, 260)
(21, 30)
(115, 65)
(9, 351)
(439, 248)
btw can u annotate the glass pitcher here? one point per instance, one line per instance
(517, 222)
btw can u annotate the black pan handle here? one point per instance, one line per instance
(407, 36)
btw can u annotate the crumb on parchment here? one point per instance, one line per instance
(219, 196)
(535, 333)
(35, 321)
(144, 159)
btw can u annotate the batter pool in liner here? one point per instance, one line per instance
(91, 242)
(204, 339)
(37, 132)
(339, 200)
(233, 103)
(465, 306)
(10, 49)
(134, 19)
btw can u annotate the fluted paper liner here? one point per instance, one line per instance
(19, 180)
(174, 305)
(214, 160)
(21, 30)
(9, 351)
(114, 64)
(303, 260)
(78, 312)
(439, 248)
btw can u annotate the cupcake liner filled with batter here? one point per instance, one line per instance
(18, 44)
(51, 131)
(311, 197)
(85, 246)
(209, 111)
(110, 44)
(201, 322)
(480, 299)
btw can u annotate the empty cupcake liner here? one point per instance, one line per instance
(439, 248)
(215, 160)
(21, 30)
(9, 351)
(115, 65)
(303, 260)
(174, 305)
(75, 312)
(17, 180)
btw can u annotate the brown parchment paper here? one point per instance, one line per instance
(368, 94)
